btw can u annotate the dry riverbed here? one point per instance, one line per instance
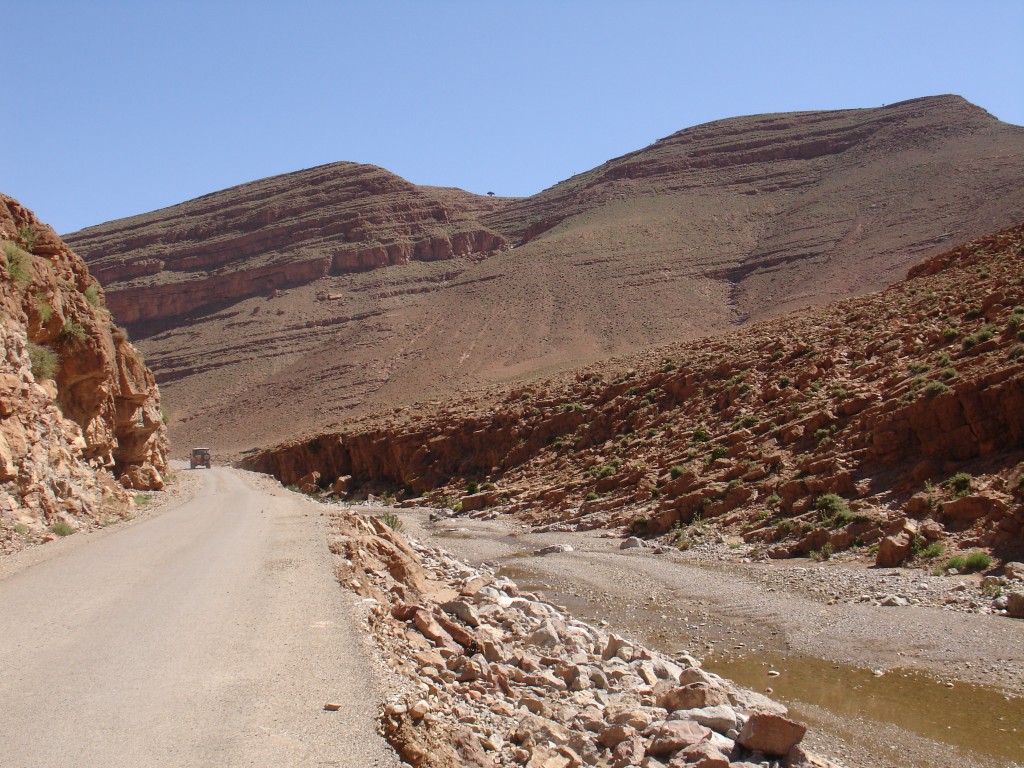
(908, 686)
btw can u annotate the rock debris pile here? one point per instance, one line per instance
(501, 677)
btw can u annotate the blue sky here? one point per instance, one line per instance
(115, 107)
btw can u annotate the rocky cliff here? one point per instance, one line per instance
(899, 415)
(278, 233)
(276, 308)
(80, 415)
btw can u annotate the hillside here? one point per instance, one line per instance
(898, 414)
(314, 297)
(80, 415)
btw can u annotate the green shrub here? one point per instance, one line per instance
(391, 520)
(602, 470)
(28, 237)
(43, 308)
(784, 381)
(639, 525)
(949, 334)
(933, 550)
(947, 374)
(773, 500)
(918, 367)
(44, 361)
(719, 452)
(18, 262)
(745, 421)
(700, 435)
(668, 367)
(92, 295)
(958, 563)
(593, 496)
(936, 388)
(142, 499)
(164, 416)
(834, 510)
(676, 471)
(978, 561)
(73, 333)
(824, 553)
(61, 529)
(983, 334)
(472, 487)
(960, 484)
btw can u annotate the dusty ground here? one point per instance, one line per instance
(883, 686)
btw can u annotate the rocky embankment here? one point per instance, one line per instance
(891, 422)
(500, 677)
(80, 416)
(278, 233)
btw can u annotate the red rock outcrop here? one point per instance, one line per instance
(818, 431)
(79, 407)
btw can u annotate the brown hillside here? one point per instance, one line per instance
(79, 410)
(715, 226)
(899, 411)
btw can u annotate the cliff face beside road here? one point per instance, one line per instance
(80, 416)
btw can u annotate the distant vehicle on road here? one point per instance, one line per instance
(200, 457)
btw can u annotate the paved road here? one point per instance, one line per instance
(209, 635)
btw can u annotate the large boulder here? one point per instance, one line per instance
(771, 734)
(894, 550)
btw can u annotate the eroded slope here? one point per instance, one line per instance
(899, 413)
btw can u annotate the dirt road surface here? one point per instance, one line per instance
(212, 633)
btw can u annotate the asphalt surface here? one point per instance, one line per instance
(209, 635)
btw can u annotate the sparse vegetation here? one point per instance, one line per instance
(676, 471)
(936, 388)
(73, 333)
(92, 295)
(18, 262)
(391, 520)
(61, 529)
(825, 553)
(834, 510)
(700, 435)
(44, 361)
(960, 484)
(43, 308)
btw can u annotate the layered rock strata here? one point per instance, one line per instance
(78, 407)
(275, 234)
(710, 228)
(500, 677)
(899, 414)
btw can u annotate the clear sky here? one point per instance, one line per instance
(117, 107)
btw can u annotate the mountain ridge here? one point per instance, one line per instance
(709, 228)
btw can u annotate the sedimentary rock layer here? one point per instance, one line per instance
(897, 414)
(707, 229)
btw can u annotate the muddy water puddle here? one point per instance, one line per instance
(965, 716)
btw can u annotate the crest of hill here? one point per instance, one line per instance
(305, 300)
